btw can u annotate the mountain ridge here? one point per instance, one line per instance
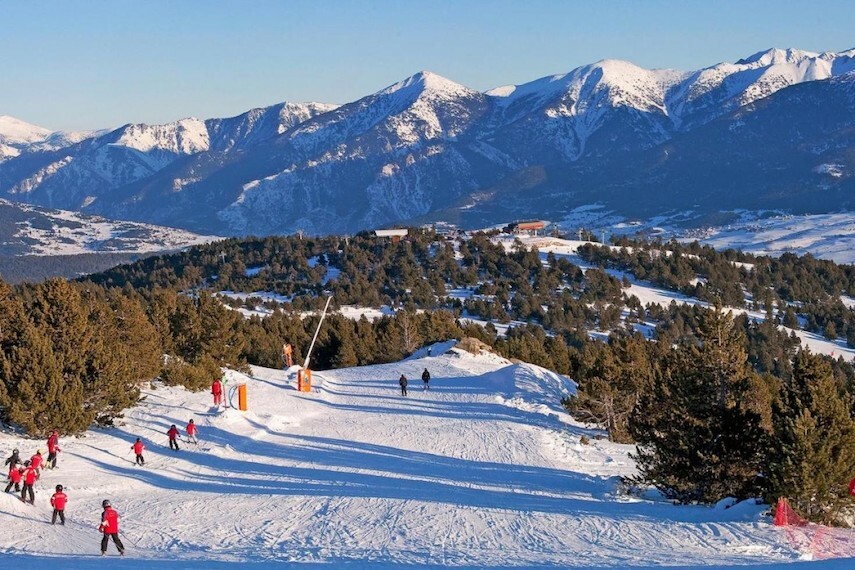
(405, 151)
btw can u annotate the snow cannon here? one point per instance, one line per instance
(304, 380)
(240, 392)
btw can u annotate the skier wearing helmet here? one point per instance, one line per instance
(110, 528)
(30, 476)
(173, 437)
(57, 501)
(14, 459)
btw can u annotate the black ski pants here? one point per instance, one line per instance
(173, 444)
(140, 459)
(403, 389)
(105, 539)
(28, 488)
(9, 486)
(58, 513)
(51, 460)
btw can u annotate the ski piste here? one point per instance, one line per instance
(485, 470)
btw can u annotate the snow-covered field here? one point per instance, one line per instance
(482, 471)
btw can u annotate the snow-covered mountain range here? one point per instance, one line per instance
(770, 130)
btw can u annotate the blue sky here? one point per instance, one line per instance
(102, 63)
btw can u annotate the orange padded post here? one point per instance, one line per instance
(242, 404)
(304, 380)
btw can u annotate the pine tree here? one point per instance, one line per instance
(697, 440)
(814, 456)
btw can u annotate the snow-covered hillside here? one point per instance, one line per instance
(482, 471)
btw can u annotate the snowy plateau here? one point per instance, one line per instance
(772, 131)
(483, 470)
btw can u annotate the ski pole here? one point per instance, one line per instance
(125, 536)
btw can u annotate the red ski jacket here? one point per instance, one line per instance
(109, 521)
(138, 447)
(30, 475)
(172, 433)
(191, 429)
(58, 500)
(53, 444)
(15, 475)
(216, 387)
(36, 461)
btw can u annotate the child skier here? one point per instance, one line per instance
(403, 382)
(37, 461)
(57, 501)
(110, 527)
(426, 379)
(53, 449)
(14, 459)
(30, 477)
(173, 437)
(138, 448)
(192, 430)
(15, 475)
(217, 391)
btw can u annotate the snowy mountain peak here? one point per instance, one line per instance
(776, 56)
(15, 131)
(186, 136)
(428, 82)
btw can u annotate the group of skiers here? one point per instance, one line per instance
(23, 474)
(403, 382)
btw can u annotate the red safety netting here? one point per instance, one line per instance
(815, 542)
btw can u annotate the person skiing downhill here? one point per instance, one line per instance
(57, 501)
(173, 437)
(53, 449)
(403, 382)
(110, 527)
(138, 448)
(192, 430)
(15, 475)
(217, 391)
(426, 379)
(30, 475)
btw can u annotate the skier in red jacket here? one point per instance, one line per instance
(30, 475)
(37, 461)
(57, 501)
(110, 527)
(217, 391)
(15, 475)
(138, 448)
(192, 430)
(173, 437)
(53, 449)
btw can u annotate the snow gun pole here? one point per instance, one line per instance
(314, 338)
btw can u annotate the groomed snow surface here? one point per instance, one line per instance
(482, 471)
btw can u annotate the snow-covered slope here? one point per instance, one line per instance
(482, 471)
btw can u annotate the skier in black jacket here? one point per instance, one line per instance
(13, 459)
(426, 379)
(403, 382)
